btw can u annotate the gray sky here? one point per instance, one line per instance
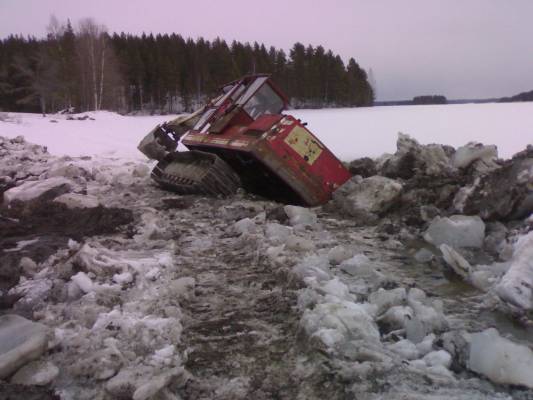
(458, 48)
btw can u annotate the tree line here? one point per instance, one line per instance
(524, 96)
(89, 69)
(430, 99)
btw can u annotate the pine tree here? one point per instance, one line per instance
(162, 73)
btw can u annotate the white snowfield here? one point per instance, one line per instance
(349, 132)
(108, 135)
(369, 132)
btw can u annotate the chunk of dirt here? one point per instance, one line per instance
(39, 232)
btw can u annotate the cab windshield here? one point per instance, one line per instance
(261, 99)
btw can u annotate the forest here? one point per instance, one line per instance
(524, 96)
(87, 68)
(429, 99)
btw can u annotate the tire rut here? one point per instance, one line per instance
(241, 329)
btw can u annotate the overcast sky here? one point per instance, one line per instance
(458, 48)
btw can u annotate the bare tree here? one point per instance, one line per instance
(55, 29)
(92, 44)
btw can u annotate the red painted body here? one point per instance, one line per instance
(271, 153)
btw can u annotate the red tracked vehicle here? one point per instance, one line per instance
(240, 138)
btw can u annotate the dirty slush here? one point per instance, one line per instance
(414, 282)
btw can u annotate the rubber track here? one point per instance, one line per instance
(196, 172)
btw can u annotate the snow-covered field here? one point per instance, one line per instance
(369, 132)
(350, 133)
(107, 134)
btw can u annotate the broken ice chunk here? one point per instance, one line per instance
(501, 360)
(21, 341)
(298, 243)
(456, 231)
(123, 278)
(516, 286)
(466, 155)
(75, 200)
(83, 281)
(300, 216)
(439, 357)
(277, 233)
(384, 299)
(46, 189)
(38, 373)
(245, 225)
(405, 349)
(339, 254)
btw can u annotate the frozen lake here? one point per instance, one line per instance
(359, 132)
(349, 132)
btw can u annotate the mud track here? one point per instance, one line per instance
(242, 327)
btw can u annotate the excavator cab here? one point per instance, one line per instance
(241, 139)
(242, 101)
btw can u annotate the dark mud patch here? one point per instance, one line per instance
(40, 231)
(22, 392)
(176, 203)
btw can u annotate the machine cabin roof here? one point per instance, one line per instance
(252, 95)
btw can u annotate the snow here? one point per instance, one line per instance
(369, 132)
(501, 360)
(109, 135)
(350, 132)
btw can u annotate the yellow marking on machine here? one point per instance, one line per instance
(219, 141)
(304, 144)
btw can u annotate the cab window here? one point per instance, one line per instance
(264, 101)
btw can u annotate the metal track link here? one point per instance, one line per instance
(196, 172)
